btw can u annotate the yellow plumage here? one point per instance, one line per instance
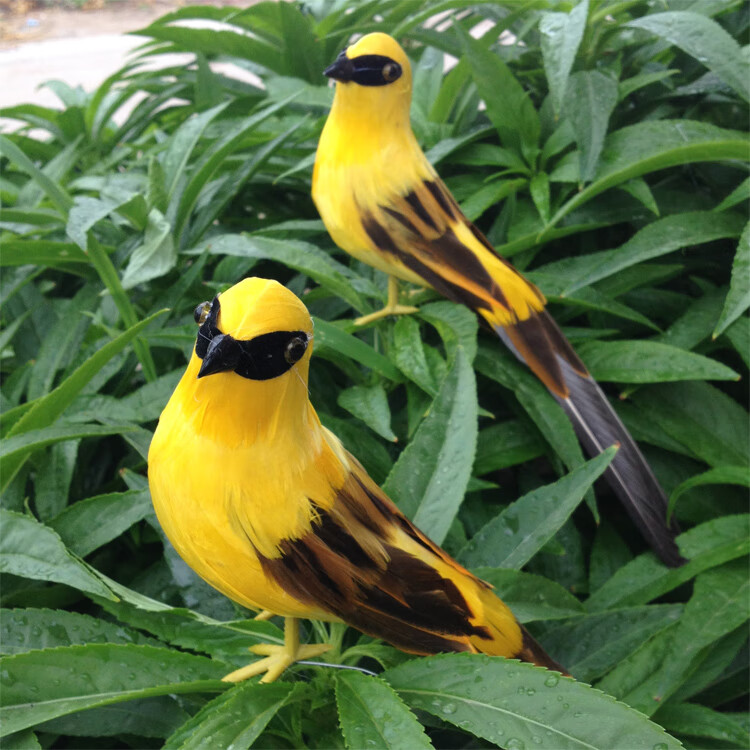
(369, 161)
(383, 203)
(267, 506)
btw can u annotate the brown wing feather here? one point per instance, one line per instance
(420, 231)
(349, 565)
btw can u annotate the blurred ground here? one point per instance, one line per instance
(41, 41)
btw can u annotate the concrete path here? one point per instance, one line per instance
(78, 47)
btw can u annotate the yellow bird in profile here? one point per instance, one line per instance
(266, 505)
(382, 202)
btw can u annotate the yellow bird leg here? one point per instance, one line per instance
(392, 307)
(278, 658)
(263, 615)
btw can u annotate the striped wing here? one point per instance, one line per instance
(424, 230)
(365, 562)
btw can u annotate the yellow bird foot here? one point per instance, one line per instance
(384, 313)
(263, 615)
(391, 308)
(278, 658)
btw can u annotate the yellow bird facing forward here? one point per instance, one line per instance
(267, 506)
(382, 201)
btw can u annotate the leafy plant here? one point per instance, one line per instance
(609, 162)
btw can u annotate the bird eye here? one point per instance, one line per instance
(295, 349)
(391, 71)
(201, 312)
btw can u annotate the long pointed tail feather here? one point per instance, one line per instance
(540, 344)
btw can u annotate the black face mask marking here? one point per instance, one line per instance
(366, 70)
(262, 358)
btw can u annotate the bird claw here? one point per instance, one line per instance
(277, 660)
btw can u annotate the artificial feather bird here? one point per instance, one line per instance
(383, 202)
(266, 505)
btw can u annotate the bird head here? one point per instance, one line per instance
(373, 78)
(257, 331)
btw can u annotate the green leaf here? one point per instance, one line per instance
(696, 323)
(500, 365)
(509, 107)
(210, 162)
(408, 354)
(372, 715)
(89, 524)
(741, 194)
(18, 448)
(181, 145)
(234, 719)
(506, 444)
(52, 484)
(706, 41)
(630, 85)
(608, 554)
(720, 657)
(739, 475)
(714, 427)
(33, 629)
(429, 479)
(653, 145)
(561, 35)
(594, 644)
(31, 550)
(644, 579)
(531, 597)
(62, 341)
(55, 192)
(489, 195)
(456, 324)
(590, 99)
(155, 257)
(46, 410)
(483, 695)
(370, 404)
(649, 362)
(638, 188)
(718, 606)
(301, 256)
(739, 335)
(42, 685)
(227, 641)
(41, 252)
(738, 297)
(540, 194)
(147, 717)
(513, 537)
(25, 740)
(700, 721)
(653, 241)
(86, 212)
(108, 274)
(328, 336)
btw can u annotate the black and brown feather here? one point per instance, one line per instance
(418, 230)
(349, 564)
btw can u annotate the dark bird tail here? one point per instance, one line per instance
(540, 344)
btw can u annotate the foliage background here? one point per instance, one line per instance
(610, 163)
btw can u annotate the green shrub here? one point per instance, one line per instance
(610, 163)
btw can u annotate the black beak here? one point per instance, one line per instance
(341, 70)
(222, 355)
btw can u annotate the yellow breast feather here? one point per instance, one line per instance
(267, 506)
